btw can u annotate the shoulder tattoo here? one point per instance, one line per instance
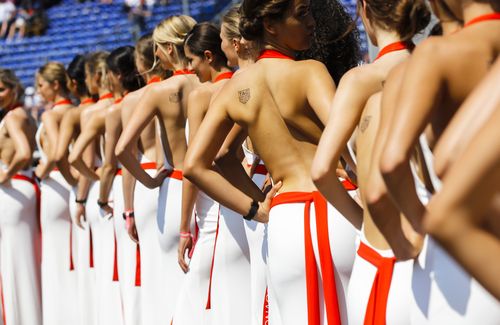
(175, 97)
(244, 95)
(364, 123)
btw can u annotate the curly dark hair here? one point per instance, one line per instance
(336, 41)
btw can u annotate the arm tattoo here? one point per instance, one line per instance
(364, 123)
(244, 95)
(175, 97)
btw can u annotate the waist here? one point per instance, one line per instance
(145, 166)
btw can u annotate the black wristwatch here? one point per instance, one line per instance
(102, 204)
(253, 210)
(82, 201)
(128, 214)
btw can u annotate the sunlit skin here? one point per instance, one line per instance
(167, 100)
(17, 136)
(464, 219)
(305, 101)
(349, 109)
(198, 104)
(52, 92)
(84, 150)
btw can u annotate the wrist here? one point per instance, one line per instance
(185, 234)
(81, 201)
(102, 203)
(254, 207)
(127, 214)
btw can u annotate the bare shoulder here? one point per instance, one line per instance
(18, 115)
(133, 97)
(201, 92)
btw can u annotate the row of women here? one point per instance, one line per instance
(292, 191)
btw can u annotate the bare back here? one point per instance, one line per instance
(279, 117)
(7, 145)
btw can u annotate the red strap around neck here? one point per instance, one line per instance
(396, 46)
(154, 79)
(487, 17)
(106, 96)
(14, 106)
(273, 54)
(87, 101)
(224, 75)
(183, 71)
(62, 102)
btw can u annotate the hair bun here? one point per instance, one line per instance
(251, 28)
(412, 17)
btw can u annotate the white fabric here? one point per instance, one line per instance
(443, 293)
(361, 283)
(231, 293)
(20, 253)
(286, 261)
(58, 281)
(193, 297)
(7, 8)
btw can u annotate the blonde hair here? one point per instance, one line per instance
(10, 80)
(230, 23)
(55, 71)
(173, 30)
(96, 64)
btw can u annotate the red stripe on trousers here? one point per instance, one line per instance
(377, 303)
(209, 299)
(325, 256)
(71, 265)
(265, 310)
(115, 261)
(137, 266)
(91, 249)
(38, 195)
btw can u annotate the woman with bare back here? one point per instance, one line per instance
(202, 49)
(167, 100)
(58, 282)
(127, 194)
(390, 25)
(20, 200)
(292, 97)
(431, 92)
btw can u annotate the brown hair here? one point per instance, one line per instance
(55, 71)
(10, 80)
(96, 64)
(406, 17)
(230, 23)
(144, 49)
(253, 12)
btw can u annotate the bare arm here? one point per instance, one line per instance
(472, 115)
(456, 216)
(51, 127)
(418, 97)
(92, 126)
(17, 127)
(145, 111)
(113, 128)
(320, 94)
(67, 130)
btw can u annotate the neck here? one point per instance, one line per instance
(148, 77)
(179, 65)
(58, 98)
(214, 73)
(273, 46)
(450, 27)
(385, 38)
(473, 9)
(103, 91)
(243, 63)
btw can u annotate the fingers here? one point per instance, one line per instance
(181, 253)
(273, 191)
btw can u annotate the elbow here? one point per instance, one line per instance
(120, 150)
(437, 221)
(320, 173)
(441, 164)
(73, 158)
(391, 162)
(24, 157)
(190, 169)
(60, 154)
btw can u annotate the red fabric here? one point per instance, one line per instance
(488, 17)
(71, 265)
(209, 299)
(91, 258)
(396, 46)
(349, 185)
(115, 261)
(224, 75)
(183, 71)
(138, 266)
(106, 96)
(87, 101)
(154, 79)
(377, 303)
(145, 166)
(3, 303)
(326, 262)
(261, 170)
(118, 100)
(265, 310)
(62, 102)
(273, 54)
